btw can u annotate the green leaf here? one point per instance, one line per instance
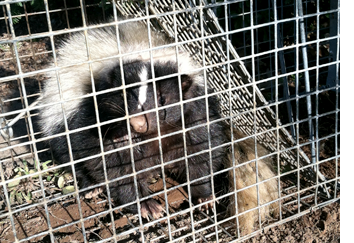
(68, 189)
(32, 172)
(28, 197)
(45, 164)
(19, 197)
(12, 197)
(14, 183)
(25, 167)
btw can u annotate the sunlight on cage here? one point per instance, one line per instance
(274, 68)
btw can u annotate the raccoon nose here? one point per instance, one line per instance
(139, 124)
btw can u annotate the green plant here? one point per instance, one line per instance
(21, 189)
(18, 9)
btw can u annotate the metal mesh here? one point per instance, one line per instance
(251, 98)
(226, 74)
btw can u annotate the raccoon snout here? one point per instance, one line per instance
(139, 124)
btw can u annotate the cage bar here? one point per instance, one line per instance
(269, 63)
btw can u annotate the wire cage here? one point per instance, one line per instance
(273, 67)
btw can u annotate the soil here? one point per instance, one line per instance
(321, 225)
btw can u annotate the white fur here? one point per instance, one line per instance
(75, 81)
(143, 88)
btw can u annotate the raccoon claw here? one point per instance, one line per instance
(93, 193)
(152, 208)
(206, 206)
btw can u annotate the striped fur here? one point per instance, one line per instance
(76, 79)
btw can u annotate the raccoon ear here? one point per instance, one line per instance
(186, 81)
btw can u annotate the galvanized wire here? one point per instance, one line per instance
(196, 29)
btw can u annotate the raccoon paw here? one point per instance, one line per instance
(152, 208)
(206, 206)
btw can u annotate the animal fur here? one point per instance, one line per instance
(76, 81)
(244, 151)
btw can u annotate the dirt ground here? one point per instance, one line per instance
(322, 225)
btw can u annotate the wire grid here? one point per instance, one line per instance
(263, 123)
(226, 74)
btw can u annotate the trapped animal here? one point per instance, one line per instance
(92, 100)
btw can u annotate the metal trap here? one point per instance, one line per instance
(251, 96)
